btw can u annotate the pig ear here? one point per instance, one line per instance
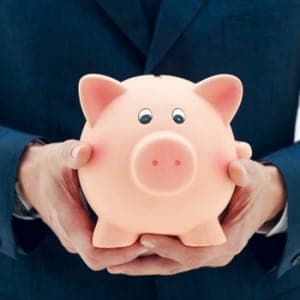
(95, 92)
(224, 92)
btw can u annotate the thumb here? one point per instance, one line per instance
(243, 150)
(74, 154)
(240, 171)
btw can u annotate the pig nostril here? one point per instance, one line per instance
(177, 162)
(154, 162)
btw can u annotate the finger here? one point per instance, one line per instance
(150, 265)
(122, 255)
(99, 258)
(78, 229)
(62, 238)
(74, 154)
(243, 150)
(238, 173)
(245, 172)
(107, 257)
(220, 261)
(67, 245)
(189, 257)
(167, 247)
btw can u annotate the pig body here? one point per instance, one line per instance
(161, 146)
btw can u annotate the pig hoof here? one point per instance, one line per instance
(110, 236)
(209, 233)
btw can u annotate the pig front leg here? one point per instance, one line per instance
(207, 234)
(107, 235)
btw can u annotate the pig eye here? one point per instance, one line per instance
(145, 116)
(178, 116)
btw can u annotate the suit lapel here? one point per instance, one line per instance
(130, 18)
(172, 19)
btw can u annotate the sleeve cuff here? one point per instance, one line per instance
(288, 163)
(12, 145)
(22, 210)
(275, 227)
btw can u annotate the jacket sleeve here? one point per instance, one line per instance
(287, 161)
(12, 145)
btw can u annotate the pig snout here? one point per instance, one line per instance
(163, 163)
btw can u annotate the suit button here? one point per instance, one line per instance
(296, 260)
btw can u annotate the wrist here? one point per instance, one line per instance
(277, 191)
(27, 175)
(22, 210)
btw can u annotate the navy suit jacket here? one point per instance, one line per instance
(46, 46)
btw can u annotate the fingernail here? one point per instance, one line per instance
(75, 151)
(148, 243)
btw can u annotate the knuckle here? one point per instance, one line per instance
(229, 260)
(69, 143)
(225, 261)
(64, 150)
(222, 262)
(70, 250)
(172, 271)
(67, 147)
(93, 264)
(236, 248)
(67, 246)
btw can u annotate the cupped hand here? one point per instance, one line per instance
(49, 182)
(258, 198)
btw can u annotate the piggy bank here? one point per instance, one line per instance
(161, 146)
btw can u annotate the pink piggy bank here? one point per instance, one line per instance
(161, 146)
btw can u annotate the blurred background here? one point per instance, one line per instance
(297, 136)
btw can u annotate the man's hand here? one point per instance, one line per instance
(259, 197)
(49, 183)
